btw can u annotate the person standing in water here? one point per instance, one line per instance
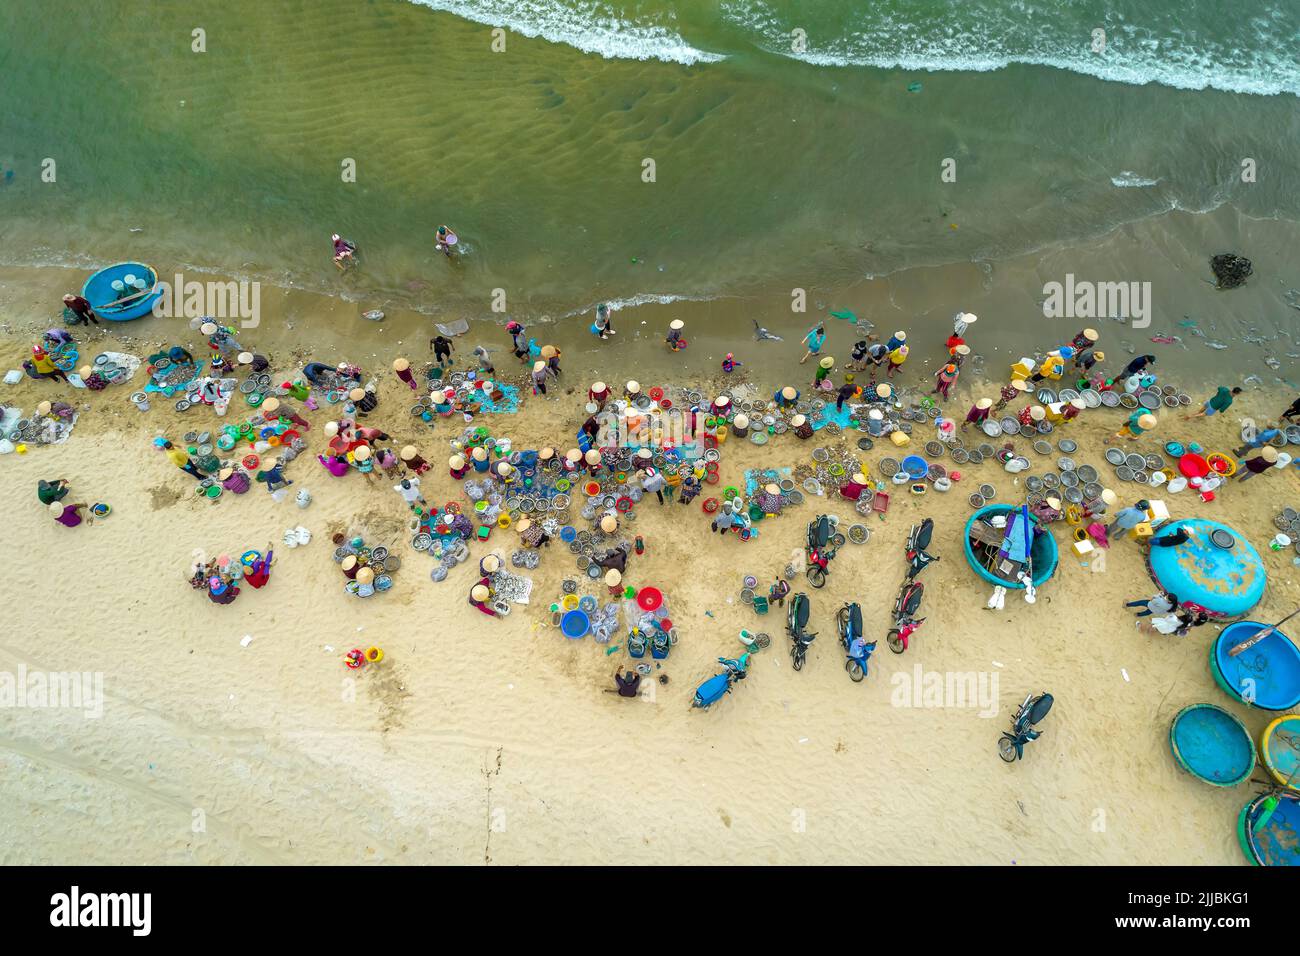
(604, 324)
(444, 240)
(343, 250)
(815, 338)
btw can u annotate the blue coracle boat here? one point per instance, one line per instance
(1266, 675)
(129, 300)
(983, 545)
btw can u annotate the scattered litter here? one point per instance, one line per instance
(246, 640)
(1125, 673)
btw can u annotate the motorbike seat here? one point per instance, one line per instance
(1039, 708)
(855, 619)
(801, 613)
(822, 532)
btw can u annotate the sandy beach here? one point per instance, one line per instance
(494, 741)
(675, 161)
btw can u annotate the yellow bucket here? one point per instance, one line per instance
(900, 438)
(722, 434)
(503, 521)
(569, 602)
(374, 655)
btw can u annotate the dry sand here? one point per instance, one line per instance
(485, 741)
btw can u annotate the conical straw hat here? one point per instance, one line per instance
(984, 403)
(400, 365)
(480, 593)
(798, 420)
(408, 452)
(789, 393)
(609, 524)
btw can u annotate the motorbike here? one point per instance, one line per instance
(795, 622)
(905, 620)
(857, 652)
(1011, 746)
(717, 686)
(918, 540)
(819, 551)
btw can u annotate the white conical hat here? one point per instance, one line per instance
(984, 403)
(491, 562)
(609, 524)
(401, 365)
(479, 453)
(676, 325)
(789, 393)
(798, 420)
(633, 386)
(480, 592)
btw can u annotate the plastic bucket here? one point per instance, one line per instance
(575, 624)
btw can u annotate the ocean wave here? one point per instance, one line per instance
(1192, 46)
(1128, 179)
(1248, 54)
(587, 25)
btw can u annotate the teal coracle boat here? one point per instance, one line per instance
(981, 549)
(1277, 842)
(1215, 569)
(132, 298)
(1212, 745)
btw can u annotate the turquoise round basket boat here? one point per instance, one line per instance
(122, 306)
(979, 553)
(1277, 841)
(1212, 745)
(1266, 675)
(1215, 569)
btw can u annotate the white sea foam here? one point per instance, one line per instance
(1128, 179)
(586, 25)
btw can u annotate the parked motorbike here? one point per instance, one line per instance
(918, 540)
(819, 551)
(1011, 746)
(795, 623)
(905, 620)
(713, 689)
(856, 651)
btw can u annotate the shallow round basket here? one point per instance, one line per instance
(859, 533)
(992, 427)
(820, 455)
(935, 472)
(758, 438)
(787, 485)
(934, 448)
(986, 450)
(1073, 495)
(1128, 401)
(421, 542)
(794, 497)
(1046, 428)
(1124, 473)
(1091, 397)
(987, 491)
(1034, 483)
(1010, 426)
(976, 501)
(959, 455)
(1065, 463)
(1051, 481)
(1092, 490)
(1115, 456)
(1086, 473)
(746, 595)
(1068, 445)
(1045, 396)
(866, 444)
(1141, 477)
(888, 467)
(812, 486)
(1135, 462)
(1043, 447)
(1153, 462)
(974, 456)
(1150, 400)
(1066, 395)
(1069, 479)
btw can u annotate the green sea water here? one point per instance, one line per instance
(626, 151)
